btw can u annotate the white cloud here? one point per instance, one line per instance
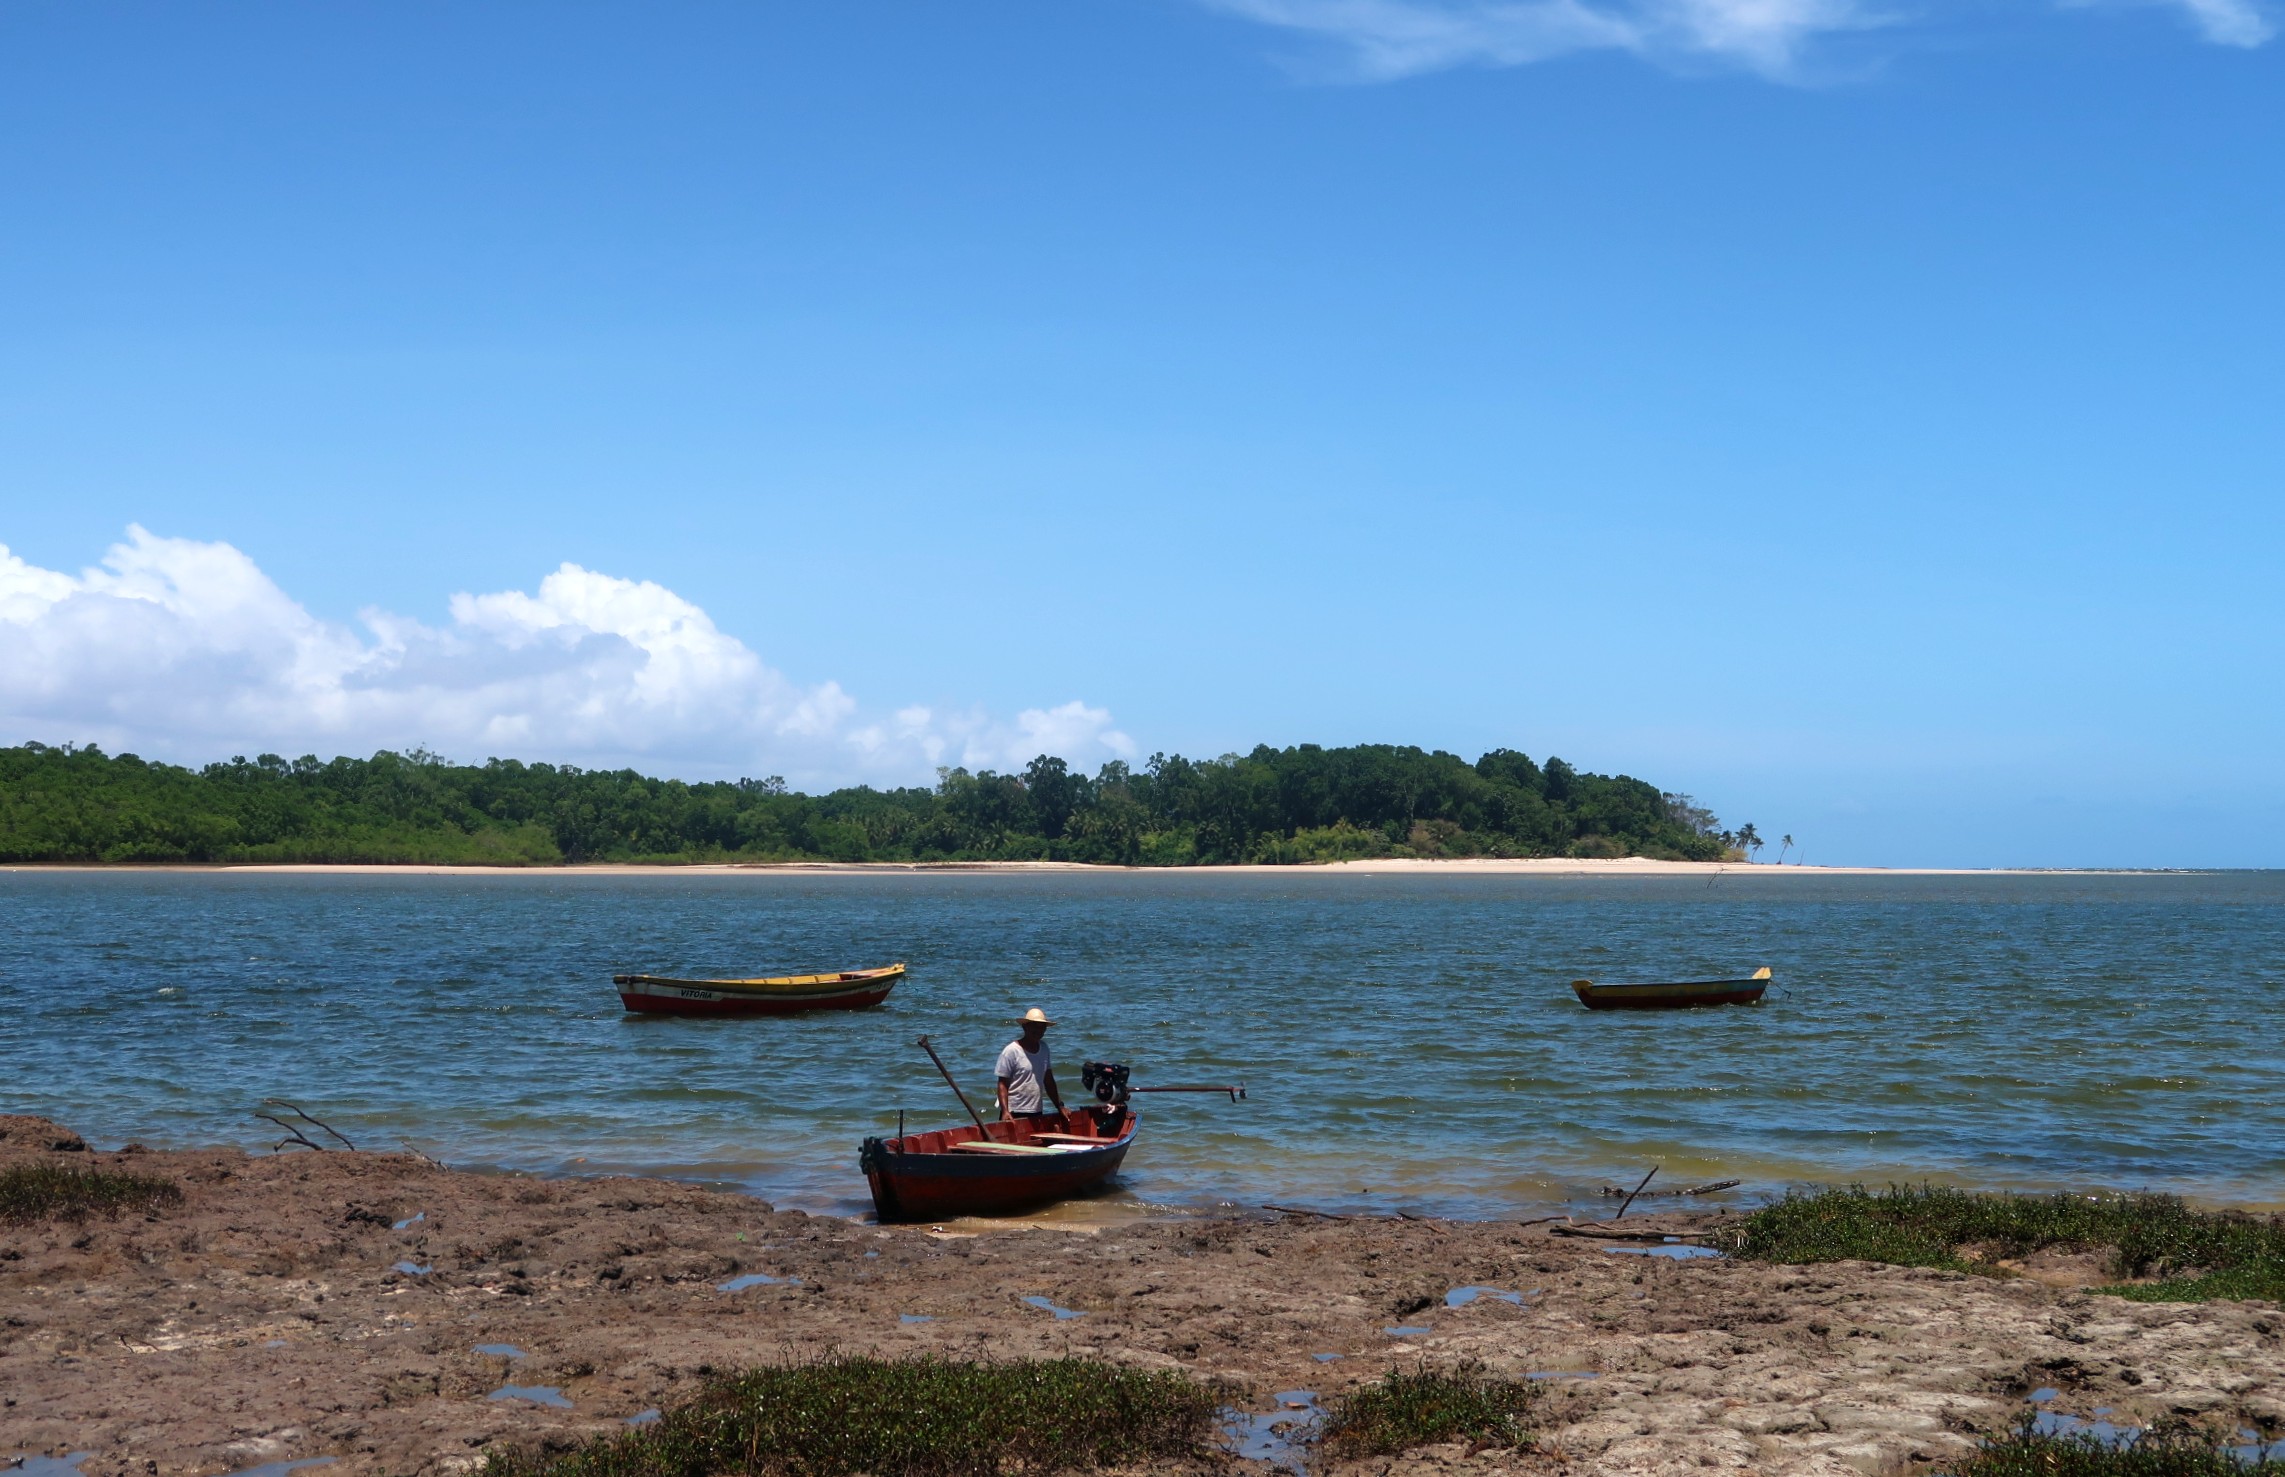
(2230, 22)
(1072, 726)
(2240, 23)
(1380, 40)
(186, 650)
(1398, 38)
(1386, 39)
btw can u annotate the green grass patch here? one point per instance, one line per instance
(47, 1191)
(2162, 1451)
(1425, 1407)
(916, 1417)
(2193, 1255)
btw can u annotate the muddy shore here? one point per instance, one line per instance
(339, 1305)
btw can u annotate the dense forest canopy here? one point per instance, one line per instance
(1302, 804)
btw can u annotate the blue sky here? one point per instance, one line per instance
(1864, 417)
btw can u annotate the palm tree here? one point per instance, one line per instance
(1784, 845)
(1748, 838)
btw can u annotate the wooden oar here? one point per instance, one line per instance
(956, 1092)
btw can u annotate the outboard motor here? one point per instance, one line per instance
(1107, 1080)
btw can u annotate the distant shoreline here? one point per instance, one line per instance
(1391, 866)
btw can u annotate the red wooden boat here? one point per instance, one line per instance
(1016, 1164)
(851, 989)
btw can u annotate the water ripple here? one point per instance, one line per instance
(1407, 1040)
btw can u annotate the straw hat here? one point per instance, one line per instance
(1034, 1017)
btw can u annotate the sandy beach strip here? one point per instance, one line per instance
(402, 1317)
(1388, 867)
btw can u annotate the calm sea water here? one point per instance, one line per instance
(1406, 1041)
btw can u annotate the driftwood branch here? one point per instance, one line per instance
(1323, 1215)
(1613, 1192)
(1599, 1235)
(294, 1135)
(428, 1159)
(1636, 1191)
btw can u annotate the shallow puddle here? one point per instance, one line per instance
(48, 1466)
(414, 1269)
(1460, 1297)
(2249, 1448)
(2252, 1448)
(2056, 1423)
(1563, 1374)
(1324, 1358)
(1673, 1251)
(1405, 1330)
(411, 1220)
(916, 1318)
(1280, 1437)
(754, 1279)
(644, 1417)
(1060, 1313)
(536, 1394)
(502, 1351)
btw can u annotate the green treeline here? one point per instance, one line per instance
(1302, 804)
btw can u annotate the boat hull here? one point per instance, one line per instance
(1677, 996)
(931, 1181)
(855, 990)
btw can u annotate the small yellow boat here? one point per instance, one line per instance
(851, 989)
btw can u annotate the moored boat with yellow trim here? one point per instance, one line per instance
(850, 989)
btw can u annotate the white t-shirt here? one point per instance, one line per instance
(1022, 1070)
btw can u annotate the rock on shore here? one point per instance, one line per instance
(334, 1304)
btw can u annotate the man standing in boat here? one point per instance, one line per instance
(1025, 1071)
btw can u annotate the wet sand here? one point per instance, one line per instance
(305, 1305)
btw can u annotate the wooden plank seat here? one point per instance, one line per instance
(1070, 1138)
(978, 1146)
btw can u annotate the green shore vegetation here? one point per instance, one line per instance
(928, 1416)
(921, 1416)
(2160, 1249)
(70, 804)
(2172, 1450)
(43, 1191)
(1404, 1409)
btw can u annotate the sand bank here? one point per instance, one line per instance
(311, 1305)
(1395, 866)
